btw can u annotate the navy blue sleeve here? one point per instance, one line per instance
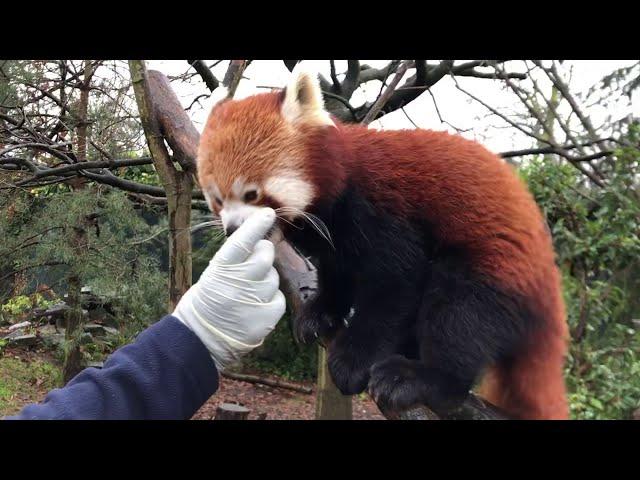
(166, 374)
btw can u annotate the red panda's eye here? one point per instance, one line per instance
(218, 201)
(250, 196)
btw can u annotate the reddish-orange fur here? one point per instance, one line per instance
(470, 196)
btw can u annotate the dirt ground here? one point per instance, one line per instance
(277, 403)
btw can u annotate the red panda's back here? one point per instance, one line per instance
(470, 196)
(475, 200)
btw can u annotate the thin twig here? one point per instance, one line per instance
(384, 98)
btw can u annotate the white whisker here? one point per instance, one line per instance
(287, 221)
(316, 223)
(217, 224)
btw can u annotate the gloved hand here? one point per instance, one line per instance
(236, 302)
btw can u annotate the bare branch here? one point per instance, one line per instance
(350, 82)
(76, 167)
(174, 123)
(572, 160)
(557, 151)
(554, 76)
(233, 76)
(368, 74)
(386, 95)
(205, 73)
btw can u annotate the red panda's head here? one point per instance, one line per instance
(252, 151)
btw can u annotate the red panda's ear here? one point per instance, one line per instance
(303, 103)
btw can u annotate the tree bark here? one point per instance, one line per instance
(179, 211)
(178, 185)
(174, 123)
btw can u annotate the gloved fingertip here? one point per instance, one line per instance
(269, 213)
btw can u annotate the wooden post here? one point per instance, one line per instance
(330, 403)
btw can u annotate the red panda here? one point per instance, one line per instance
(436, 268)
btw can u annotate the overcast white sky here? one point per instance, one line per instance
(454, 106)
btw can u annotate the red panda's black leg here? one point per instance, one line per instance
(355, 349)
(321, 316)
(379, 325)
(463, 326)
(397, 384)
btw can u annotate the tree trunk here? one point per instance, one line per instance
(178, 185)
(330, 403)
(179, 211)
(73, 328)
(83, 108)
(82, 119)
(73, 363)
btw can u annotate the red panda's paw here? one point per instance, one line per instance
(395, 385)
(349, 374)
(349, 363)
(398, 384)
(310, 325)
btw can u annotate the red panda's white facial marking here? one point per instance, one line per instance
(290, 189)
(234, 213)
(243, 199)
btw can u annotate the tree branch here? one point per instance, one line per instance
(205, 73)
(386, 95)
(540, 139)
(175, 125)
(233, 76)
(556, 151)
(350, 82)
(267, 381)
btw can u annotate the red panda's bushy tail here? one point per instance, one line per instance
(531, 386)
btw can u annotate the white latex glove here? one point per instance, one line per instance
(236, 302)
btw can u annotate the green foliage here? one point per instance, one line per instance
(596, 234)
(145, 174)
(281, 355)
(21, 304)
(604, 376)
(45, 247)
